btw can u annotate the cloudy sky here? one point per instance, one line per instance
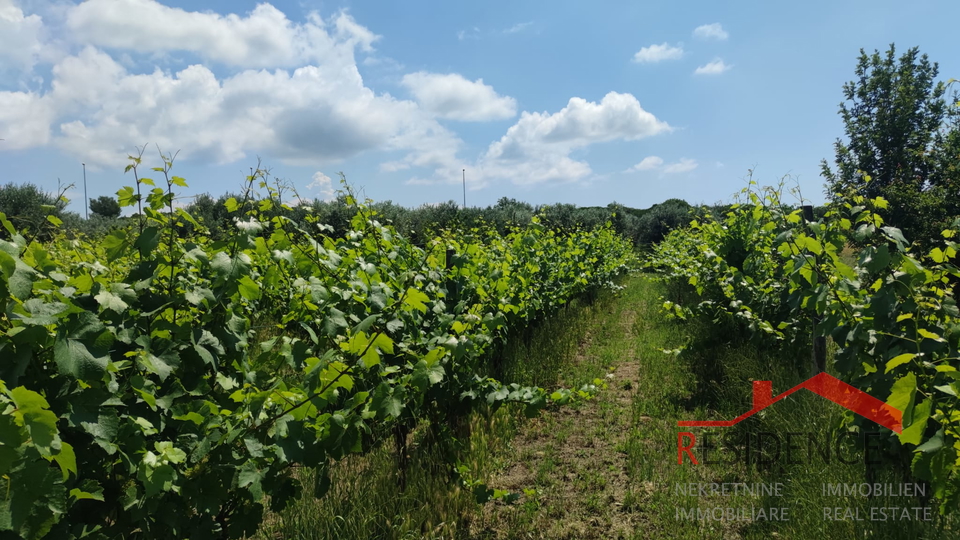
(543, 101)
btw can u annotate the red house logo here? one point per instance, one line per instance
(824, 385)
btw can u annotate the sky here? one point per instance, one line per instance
(547, 102)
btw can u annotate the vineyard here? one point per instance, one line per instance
(765, 271)
(163, 384)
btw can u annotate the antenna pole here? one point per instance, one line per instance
(464, 189)
(86, 201)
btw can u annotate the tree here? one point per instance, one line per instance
(27, 207)
(105, 206)
(898, 126)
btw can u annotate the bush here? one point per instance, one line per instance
(27, 208)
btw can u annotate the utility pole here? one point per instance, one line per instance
(86, 201)
(464, 189)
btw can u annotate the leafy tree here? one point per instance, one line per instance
(900, 131)
(662, 218)
(105, 206)
(27, 207)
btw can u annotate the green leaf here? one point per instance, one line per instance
(157, 479)
(95, 491)
(896, 236)
(811, 244)
(913, 432)
(930, 335)
(947, 389)
(250, 477)
(115, 244)
(67, 460)
(365, 324)
(387, 400)
(32, 412)
(19, 276)
(169, 452)
(104, 429)
(933, 443)
(875, 259)
(394, 325)
(902, 394)
(249, 289)
(334, 321)
(898, 360)
(108, 300)
(416, 299)
(8, 456)
(75, 360)
(148, 240)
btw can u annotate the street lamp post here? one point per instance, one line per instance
(86, 201)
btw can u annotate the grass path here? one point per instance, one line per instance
(584, 460)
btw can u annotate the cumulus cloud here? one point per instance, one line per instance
(710, 31)
(263, 38)
(682, 166)
(20, 43)
(290, 91)
(651, 163)
(713, 68)
(97, 108)
(646, 164)
(537, 148)
(323, 186)
(658, 53)
(25, 119)
(454, 97)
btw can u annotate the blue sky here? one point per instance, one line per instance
(546, 102)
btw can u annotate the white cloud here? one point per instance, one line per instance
(519, 27)
(658, 53)
(293, 93)
(264, 38)
(454, 97)
(537, 148)
(383, 62)
(323, 186)
(20, 43)
(650, 163)
(713, 68)
(646, 164)
(711, 31)
(682, 166)
(97, 109)
(473, 33)
(24, 120)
